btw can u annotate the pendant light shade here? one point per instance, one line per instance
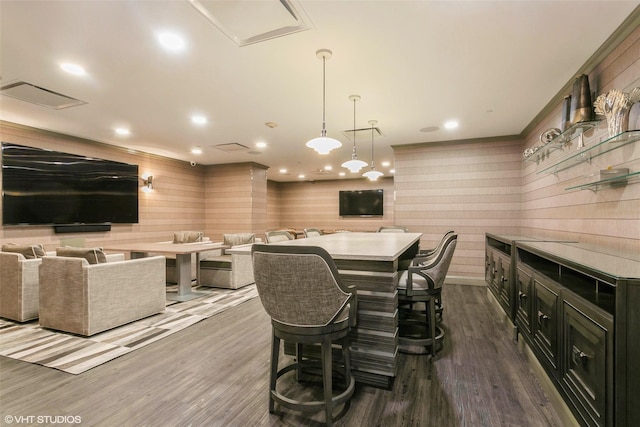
(323, 144)
(354, 165)
(373, 174)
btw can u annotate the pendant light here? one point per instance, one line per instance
(323, 144)
(354, 165)
(373, 174)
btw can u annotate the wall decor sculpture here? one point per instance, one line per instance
(615, 106)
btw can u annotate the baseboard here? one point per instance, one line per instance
(465, 280)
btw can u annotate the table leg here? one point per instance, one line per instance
(183, 277)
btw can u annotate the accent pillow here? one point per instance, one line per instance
(238, 239)
(92, 255)
(187, 236)
(28, 251)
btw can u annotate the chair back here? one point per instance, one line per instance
(298, 285)
(312, 232)
(278, 236)
(392, 229)
(436, 268)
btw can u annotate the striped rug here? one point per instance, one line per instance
(75, 354)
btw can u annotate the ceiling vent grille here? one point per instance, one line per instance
(247, 22)
(232, 146)
(28, 92)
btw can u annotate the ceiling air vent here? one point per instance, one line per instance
(232, 146)
(40, 96)
(247, 22)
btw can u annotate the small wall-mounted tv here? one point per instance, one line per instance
(44, 187)
(362, 203)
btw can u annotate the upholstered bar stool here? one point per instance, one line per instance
(422, 283)
(425, 256)
(300, 289)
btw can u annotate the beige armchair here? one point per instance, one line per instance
(18, 286)
(85, 299)
(229, 268)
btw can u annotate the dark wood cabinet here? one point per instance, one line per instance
(545, 327)
(587, 365)
(524, 303)
(576, 309)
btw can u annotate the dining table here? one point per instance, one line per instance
(182, 252)
(372, 263)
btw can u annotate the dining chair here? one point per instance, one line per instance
(422, 283)
(312, 232)
(392, 229)
(301, 291)
(278, 236)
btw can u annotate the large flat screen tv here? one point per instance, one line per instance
(361, 203)
(42, 187)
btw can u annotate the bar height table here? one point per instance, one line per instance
(182, 252)
(370, 262)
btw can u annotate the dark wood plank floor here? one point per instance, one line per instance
(215, 373)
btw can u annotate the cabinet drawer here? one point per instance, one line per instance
(545, 324)
(587, 364)
(524, 300)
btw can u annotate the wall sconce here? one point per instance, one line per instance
(147, 183)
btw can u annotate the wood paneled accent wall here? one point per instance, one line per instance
(301, 205)
(176, 203)
(607, 219)
(236, 199)
(472, 187)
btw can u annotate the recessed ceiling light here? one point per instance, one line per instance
(196, 150)
(385, 164)
(283, 170)
(301, 176)
(451, 124)
(342, 173)
(392, 171)
(198, 120)
(171, 41)
(328, 167)
(261, 144)
(74, 69)
(122, 131)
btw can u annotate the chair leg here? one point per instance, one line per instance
(346, 354)
(275, 353)
(327, 380)
(431, 314)
(299, 351)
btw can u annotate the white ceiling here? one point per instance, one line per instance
(492, 65)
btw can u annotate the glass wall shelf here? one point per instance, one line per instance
(558, 142)
(589, 152)
(621, 180)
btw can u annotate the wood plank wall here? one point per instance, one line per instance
(176, 203)
(301, 205)
(236, 199)
(607, 219)
(472, 187)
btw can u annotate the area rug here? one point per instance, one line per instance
(75, 354)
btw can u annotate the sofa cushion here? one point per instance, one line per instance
(221, 262)
(187, 236)
(238, 239)
(92, 255)
(28, 251)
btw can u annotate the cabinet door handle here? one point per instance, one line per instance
(503, 279)
(543, 317)
(522, 296)
(579, 356)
